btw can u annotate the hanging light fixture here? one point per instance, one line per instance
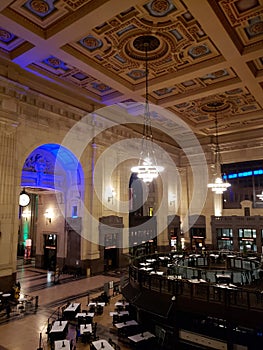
(260, 196)
(147, 168)
(24, 198)
(219, 185)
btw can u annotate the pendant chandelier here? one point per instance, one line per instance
(147, 168)
(260, 196)
(219, 185)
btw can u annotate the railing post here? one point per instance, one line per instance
(40, 341)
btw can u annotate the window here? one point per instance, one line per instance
(74, 211)
(224, 244)
(247, 233)
(246, 179)
(224, 232)
(110, 240)
(224, 238)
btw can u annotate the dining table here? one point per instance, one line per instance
(63, 344)
(119, 313)
(99, 303)
(197, 280)
(101, 344)
(59, 330)
(159, 273)
(85, 328)
(126, 324)
(145, 263)
(85, 314)
(71, 310)
(121, 303)
(146, 268)
(136, 338)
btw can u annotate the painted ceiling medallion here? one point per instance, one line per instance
(136, 74)
(160, 8)
(152, 43)
(6, 36)
(135, 49)
(216, 106)
(55, 63)
(255, 28)
(39, 6)
(91, 43)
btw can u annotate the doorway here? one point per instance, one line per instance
(50, 251)
(110, 258)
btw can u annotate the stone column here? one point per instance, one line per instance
(9, 192)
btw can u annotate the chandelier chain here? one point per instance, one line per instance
(147, 168)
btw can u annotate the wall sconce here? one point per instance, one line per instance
(111, 195)
(48, 215)
(26, 214)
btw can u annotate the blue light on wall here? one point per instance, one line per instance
(39, 167)
(244, 174)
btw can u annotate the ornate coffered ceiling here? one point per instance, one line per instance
(204, 51)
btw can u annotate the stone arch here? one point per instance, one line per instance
(54, 167)
(54, 178)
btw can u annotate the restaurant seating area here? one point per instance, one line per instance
(73, 327)
(149, 310)
(187, 294)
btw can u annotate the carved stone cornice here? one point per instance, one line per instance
(23, 97)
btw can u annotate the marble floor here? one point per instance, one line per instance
(27, 330)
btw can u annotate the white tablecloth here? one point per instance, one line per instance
(226, 286)
(97, 344)
(121, 303)
(174, 277)
(85, 328)
(196, 280)
(84, 314)
(223, 276)
(58, 326)
(120, 313)
(136, 338)
(59, 344)
(72, 307)
(95, 304)
(126, 324)
(160, 273)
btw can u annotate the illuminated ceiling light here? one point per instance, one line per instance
(220, 185)
(147, 168)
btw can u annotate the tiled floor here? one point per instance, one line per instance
(23, 331)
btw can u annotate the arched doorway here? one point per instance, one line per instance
(53, 177)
